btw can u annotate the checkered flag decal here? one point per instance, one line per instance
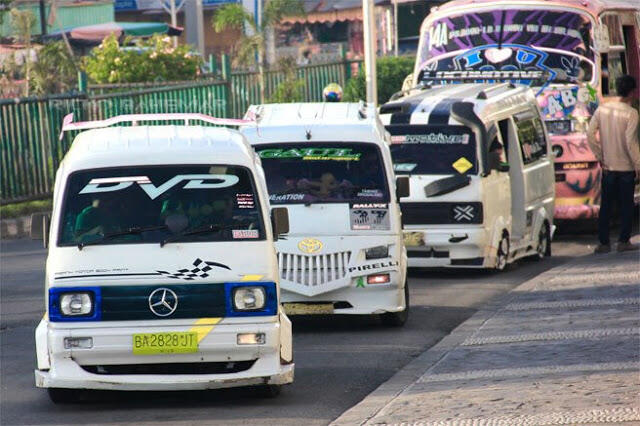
(201, 270)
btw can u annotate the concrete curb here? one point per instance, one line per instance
(373, 403)
(15, 228)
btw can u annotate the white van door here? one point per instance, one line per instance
(537, 172)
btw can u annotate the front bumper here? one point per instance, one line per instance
(457, 248)
(357, 300)
(113, 346)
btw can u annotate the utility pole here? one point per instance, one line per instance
(43, 20)
(369, 28)
(172, 10)
(194, 25)
(395, 27)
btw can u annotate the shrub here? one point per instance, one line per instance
(391, 72)
(54, 71)
(147, 60)
(291, 88)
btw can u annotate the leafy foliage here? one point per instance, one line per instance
(291, 88)
(391, 72)
(54, 71)
(154, 59)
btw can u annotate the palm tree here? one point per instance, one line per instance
(252, 46)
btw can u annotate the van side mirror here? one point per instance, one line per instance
(504, 167)
(402, 187)
(40, 227)
(279, 221)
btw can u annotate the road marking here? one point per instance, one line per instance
(552, 335)
(572, 304)
(529, 371)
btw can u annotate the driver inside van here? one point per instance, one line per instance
(496, 154)
(99, 218)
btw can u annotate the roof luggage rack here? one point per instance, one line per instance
(68, 124)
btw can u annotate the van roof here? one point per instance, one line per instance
(313, 122)
(429, 102)
(155, 145)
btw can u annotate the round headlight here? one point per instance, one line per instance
(249, 298)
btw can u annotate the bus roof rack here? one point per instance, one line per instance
(68, 124)
(495, 90)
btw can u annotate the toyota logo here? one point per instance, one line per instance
(163, 302)
(310, 245)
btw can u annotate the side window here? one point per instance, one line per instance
(614, 63)
(531, 138)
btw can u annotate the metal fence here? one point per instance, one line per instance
(29, 127)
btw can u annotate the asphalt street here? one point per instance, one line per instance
(338, 360)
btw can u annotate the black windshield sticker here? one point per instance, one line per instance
(369, 216)
(245, 201)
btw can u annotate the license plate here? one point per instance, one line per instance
(308, 308)
(413, 239)
(180, 342)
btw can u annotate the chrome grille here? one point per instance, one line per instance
(313, 270)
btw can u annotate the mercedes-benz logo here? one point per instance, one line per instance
(163, 302)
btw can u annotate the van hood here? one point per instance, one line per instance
(175, 263)
(342, 219)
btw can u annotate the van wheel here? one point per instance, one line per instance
(269, 391)
(398, 319)
(63, 396)
(502, 254)
(544, 243)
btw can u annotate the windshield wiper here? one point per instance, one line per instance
(130, 231)
(202, 230)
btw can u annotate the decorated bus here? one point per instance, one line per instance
(569, 51)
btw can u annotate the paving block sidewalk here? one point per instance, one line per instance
(563, 348)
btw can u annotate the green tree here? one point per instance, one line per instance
(253, 48)
(153, 59)
(291, 88)
(54, 71)
(391, 72)
(4, 8)
(22, 21)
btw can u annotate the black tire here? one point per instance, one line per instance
(269, 391)
(63, 396)
(544, 242)
(502, 254)
(398, 319)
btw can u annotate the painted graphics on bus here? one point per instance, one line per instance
(550, 46)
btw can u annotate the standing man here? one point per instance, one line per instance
(618, 152)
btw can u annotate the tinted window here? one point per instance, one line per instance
(531, 136)
(324, 172)
(433, 150)
(171, 199)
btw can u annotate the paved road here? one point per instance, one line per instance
(338, 361)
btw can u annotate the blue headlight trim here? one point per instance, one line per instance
(270, 305)
(55, 315)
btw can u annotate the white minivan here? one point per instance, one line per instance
(161, 272)
(330, 165)
(481, 174)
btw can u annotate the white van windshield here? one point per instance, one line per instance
(128, 205)
(432, 149)
(505, 42)
(308, 173)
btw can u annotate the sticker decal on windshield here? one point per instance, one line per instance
(462, 165)
(194, 182)
(370, 193)
(331, 154)
(245, 201)
(286, 197)
(245, 233)
(369, 216)
(404, 167)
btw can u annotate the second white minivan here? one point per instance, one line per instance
(330, 165)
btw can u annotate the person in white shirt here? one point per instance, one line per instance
(618, 152)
